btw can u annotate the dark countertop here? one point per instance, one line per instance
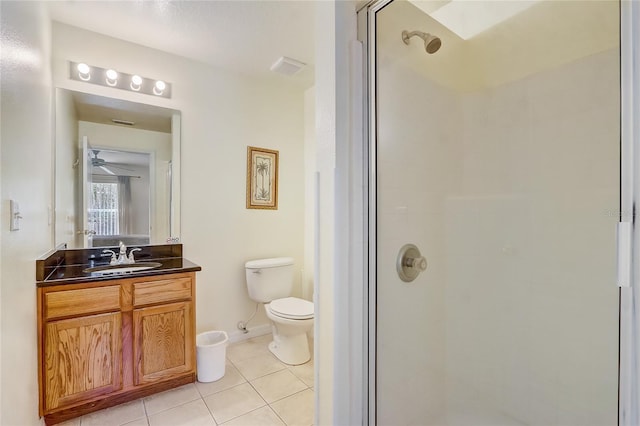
(67, 266)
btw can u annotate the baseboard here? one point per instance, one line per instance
(258, 330)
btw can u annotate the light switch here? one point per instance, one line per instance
(15, 215)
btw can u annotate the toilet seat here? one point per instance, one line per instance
(292, 308)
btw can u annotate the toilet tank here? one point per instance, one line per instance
(269, 279)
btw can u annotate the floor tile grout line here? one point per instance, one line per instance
(278, 415)
(258, 377)
(235, 386)
(250, 411)
(287, 396)
(296, 392)
(239, 372)
(221, 390)
(144, 407)
(209, 409)
(259, 394)
(166, 409)
(274, 410)
(269, 404)
(256, 409)
(224, 390)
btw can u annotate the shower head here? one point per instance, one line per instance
(431, 42)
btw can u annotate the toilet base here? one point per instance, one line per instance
(292, 350)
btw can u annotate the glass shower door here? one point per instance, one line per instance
(497, 153)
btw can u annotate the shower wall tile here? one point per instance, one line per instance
(533, 335)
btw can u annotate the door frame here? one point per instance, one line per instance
(366, 35)
(629, 341)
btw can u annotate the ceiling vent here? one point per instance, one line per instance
(124, 122)
(287, 66)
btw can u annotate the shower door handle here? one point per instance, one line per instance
(410, 263)
(624, 241)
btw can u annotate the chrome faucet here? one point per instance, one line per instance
(122, 258)
(131, 258)
(114, 257)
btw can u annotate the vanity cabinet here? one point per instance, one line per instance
(163, 344)
(82, 359)
(103, 343)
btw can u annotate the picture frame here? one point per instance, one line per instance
(262, 178)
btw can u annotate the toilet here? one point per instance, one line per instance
(270, 282)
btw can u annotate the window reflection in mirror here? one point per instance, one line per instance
(119, 199)
(117, 172)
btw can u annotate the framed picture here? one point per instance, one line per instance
(262, 178)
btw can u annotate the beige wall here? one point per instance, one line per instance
(309, 192)
(26, 170)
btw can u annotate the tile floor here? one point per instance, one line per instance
(257, 389)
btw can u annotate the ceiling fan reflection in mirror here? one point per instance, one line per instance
(111, 168)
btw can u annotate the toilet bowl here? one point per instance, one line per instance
(270, 282)
(291, 319)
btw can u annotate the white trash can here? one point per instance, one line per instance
(211, 348)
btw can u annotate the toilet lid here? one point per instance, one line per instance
(292, 307)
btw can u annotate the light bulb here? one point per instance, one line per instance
(84, 72)
(112, 77)
(159, 87)
(136, 83)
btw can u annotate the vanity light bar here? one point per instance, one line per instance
(119, 80)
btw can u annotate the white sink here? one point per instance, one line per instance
(122, 269)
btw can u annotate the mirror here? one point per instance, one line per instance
(117, 168)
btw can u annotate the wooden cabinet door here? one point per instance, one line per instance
(164, 342)
(83, 359)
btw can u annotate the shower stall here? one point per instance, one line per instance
(501, 160)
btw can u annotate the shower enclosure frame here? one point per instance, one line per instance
(629, 354)
(629, 304)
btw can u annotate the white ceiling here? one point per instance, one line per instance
(238, 35)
